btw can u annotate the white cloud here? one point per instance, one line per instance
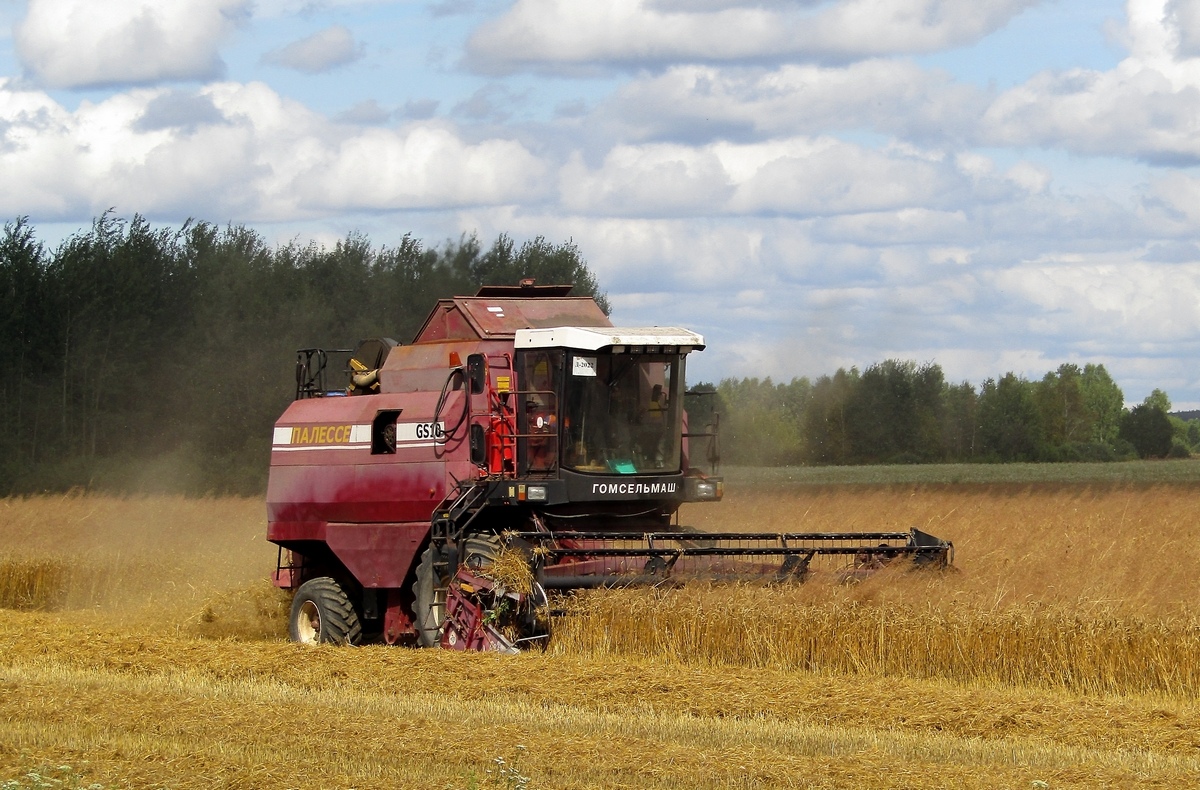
(324, 50)
(1185, 16)
(238, 151)
(903, 226)
(420, 167)
(270, 9)
(1135, 110)
(490, 103)
(1027, 317)
(895, 97)
(1174, 200)
(1029, 176)
(180, 110)
(796, 176)
(722, 5)
(647, 180)
(1114, 300)
(82, 43)
(367, 112)
(534, 33)
(1148, 106)
(828, 177)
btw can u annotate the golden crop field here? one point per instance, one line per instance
(140, 646)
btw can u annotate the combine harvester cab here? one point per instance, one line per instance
(519, 444)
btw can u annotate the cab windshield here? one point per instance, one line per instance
(621, 413)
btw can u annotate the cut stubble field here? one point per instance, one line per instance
(141, 645)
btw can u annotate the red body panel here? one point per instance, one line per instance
(379, 555)
(330, 484)
(325, 471)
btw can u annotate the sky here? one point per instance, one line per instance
(991, 185)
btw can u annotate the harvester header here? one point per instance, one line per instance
(431, 493)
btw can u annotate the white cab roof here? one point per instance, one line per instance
(594, 338)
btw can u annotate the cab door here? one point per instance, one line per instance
(538, 415)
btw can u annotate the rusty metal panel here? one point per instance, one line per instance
(488, 318)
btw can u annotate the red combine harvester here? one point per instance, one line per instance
(521, 443)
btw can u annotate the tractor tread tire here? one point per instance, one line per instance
(485, 546)
(338, 620)
(427, 622)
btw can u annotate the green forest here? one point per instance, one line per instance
(901, 412)
(142, 358)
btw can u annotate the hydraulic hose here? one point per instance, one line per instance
(437, 410)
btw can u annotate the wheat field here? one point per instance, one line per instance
(1087, 588)
(140, 646)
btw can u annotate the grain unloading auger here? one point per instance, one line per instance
(520, 444)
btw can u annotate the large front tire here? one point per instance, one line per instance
(480, 551)
(429, 601)
(322, 612)
(429, 589)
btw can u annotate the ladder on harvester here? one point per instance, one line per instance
(461, 506)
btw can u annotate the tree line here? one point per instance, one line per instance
(903, 412)
(158, 358)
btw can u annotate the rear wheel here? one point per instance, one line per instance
(322, 612)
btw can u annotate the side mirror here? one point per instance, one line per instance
(476, 373)
(478, 446)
